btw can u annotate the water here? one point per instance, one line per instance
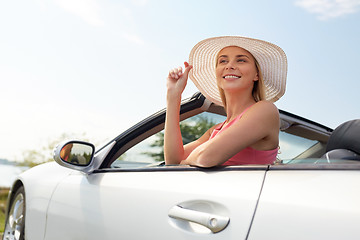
(8, 174)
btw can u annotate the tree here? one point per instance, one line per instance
(191, 129)
(194, 128)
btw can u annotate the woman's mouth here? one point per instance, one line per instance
(231, 77)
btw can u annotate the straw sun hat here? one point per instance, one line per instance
(271, 58)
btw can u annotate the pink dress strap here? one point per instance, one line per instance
(247, 155)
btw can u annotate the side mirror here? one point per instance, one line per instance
(74, 154)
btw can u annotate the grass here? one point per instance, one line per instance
(3, 198)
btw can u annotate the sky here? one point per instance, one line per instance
(94, 68)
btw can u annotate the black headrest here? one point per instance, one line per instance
(346, 136)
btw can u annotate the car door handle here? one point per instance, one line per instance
(213, 222)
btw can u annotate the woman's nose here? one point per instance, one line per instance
(229, 66)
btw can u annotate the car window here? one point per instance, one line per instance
(151, 152)
(291, 146)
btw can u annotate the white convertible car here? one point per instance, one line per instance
(124, 190)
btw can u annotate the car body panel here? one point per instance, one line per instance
(39, 184)
(308, 204)
(136, 204)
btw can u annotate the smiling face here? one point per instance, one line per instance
(236, 69)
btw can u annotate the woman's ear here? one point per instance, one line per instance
(256, 78)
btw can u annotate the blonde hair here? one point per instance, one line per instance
(258, 91)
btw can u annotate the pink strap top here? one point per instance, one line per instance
(247, 155)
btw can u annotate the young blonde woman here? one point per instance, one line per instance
(245, 76)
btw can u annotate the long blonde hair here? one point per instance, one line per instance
(258, 91)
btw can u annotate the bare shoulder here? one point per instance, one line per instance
(265, 108)
(264, 112)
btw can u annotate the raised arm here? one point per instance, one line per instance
(173, 146)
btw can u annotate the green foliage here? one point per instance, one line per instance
(31, 158)
(191, 130)
(194, 128)
(157, 144)
(3, 198)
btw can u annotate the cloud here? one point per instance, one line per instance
(327, 9)
(85, 9)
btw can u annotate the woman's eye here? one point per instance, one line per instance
(222, 61)
(241, 60)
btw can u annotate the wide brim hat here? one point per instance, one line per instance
(271, 58)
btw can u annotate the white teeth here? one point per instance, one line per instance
(231, 76)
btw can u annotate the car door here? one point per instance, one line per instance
(156, 203)
(136, 197)
(315, 201)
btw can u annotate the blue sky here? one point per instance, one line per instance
(97, 67)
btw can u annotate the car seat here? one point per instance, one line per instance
(344, 142)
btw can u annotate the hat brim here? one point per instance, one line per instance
(271, 58)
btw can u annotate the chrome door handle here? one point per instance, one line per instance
(213, 222)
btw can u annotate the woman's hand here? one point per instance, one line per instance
(177, 79)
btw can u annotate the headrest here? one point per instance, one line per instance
(341, 154)
(346, 136)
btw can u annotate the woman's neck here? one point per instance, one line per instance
(237, 103)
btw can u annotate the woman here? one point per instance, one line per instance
(245, 76)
